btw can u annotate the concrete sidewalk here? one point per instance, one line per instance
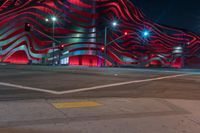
(84, 69)
(111, 115)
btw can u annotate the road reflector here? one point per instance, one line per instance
(65, 105)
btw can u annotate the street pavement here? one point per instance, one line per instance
(87, 100)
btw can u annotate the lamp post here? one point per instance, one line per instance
(105, 41)
(145, 35)
(1, 54)
(53, 19)
(114, 24)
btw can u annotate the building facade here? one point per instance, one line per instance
(79, 34)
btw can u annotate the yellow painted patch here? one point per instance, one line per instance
(65, 105)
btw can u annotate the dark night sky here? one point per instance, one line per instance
(178, 13)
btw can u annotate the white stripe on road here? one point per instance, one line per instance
(90, 88)
(27, 88)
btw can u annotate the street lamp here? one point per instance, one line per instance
(114, 24)
(53, 19)
(47, 20)
(145, 33)
(1, 54)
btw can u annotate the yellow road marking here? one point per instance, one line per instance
(65, 105)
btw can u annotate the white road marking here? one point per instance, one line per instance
(90, 88)
(27, 88)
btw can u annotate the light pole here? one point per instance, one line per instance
(53, 19)
(105, 42)
(146, 34)
(1, 54)
(114, 24)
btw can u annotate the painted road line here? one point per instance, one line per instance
(27, 88)
(120, 84)
(65, 105)
(90, 88)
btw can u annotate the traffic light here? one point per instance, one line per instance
(27, 27)
(102, 49)
(62, 47)
(125, 33)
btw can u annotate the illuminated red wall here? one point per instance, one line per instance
(80, 28)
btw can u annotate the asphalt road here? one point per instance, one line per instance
(52, 99)
(106, 82)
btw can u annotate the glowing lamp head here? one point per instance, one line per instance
(145, 33)
(54, 18)
(47, 20)
(114, 23)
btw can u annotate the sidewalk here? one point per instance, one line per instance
(109, 115)
(98, 69)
